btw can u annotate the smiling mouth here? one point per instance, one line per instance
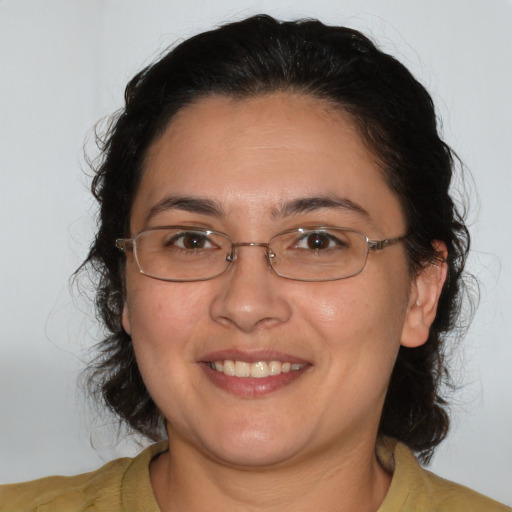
(258, 369)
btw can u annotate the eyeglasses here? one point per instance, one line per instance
(182, 253)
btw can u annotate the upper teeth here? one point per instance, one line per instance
(258, 370)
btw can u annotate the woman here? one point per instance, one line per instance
(279, 263)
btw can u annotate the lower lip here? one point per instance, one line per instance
(250, 387)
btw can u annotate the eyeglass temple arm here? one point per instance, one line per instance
(378, 245)
(124, 244)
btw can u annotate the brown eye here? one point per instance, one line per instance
(190, 241)
(193, 241)
(317, 241)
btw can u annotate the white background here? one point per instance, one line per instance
(64, 64)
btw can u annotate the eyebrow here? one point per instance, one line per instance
(201, 205)
(210, 207)
(310, 204)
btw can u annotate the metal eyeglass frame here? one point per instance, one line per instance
(130, 244)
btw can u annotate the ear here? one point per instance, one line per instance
(125, 318)
(424, 298)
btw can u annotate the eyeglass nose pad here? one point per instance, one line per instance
(270, 257)
(232, 256)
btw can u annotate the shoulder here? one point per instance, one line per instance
(415, 488)
(65, 493)
(106, 488)
(449, 496)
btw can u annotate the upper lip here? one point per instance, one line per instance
(252, 356)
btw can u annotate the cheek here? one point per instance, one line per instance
(357, 307)
(165, 319)
(163, 316)
(360, 320)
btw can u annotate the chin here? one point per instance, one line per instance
(254, 447)
(256, 454)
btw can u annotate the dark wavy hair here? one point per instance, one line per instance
(395, 117)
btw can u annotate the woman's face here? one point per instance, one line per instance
(246, 164)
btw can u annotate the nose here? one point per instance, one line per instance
(251, 296)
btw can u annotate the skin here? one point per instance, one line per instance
(309, 445)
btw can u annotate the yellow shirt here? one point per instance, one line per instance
(124, 485)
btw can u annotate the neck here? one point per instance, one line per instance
(341, 479)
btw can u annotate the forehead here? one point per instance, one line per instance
(253, 128)
(254, 156)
